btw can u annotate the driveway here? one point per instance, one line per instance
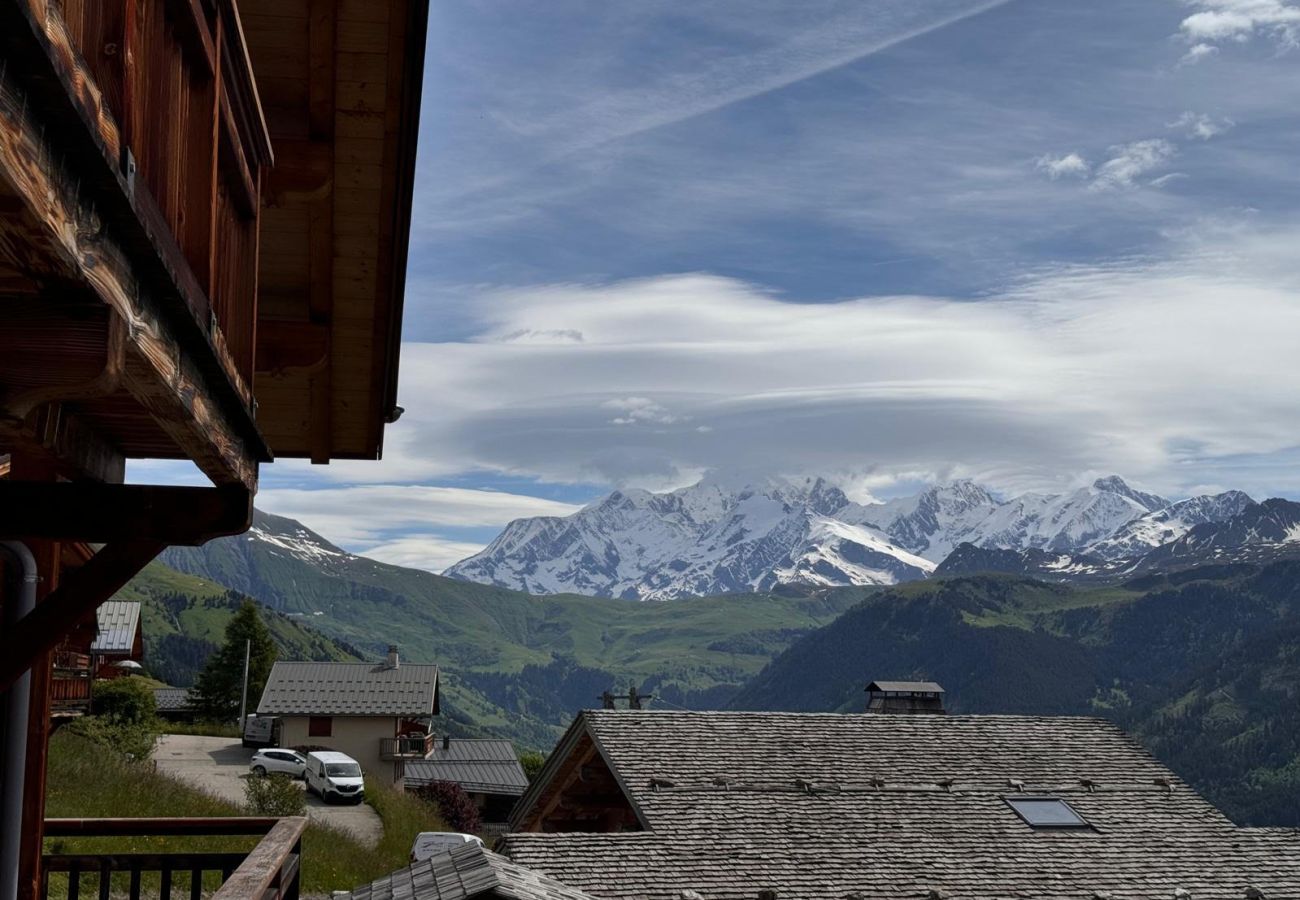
(218, 765)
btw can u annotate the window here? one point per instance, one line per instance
(320, 726)
(1046, 812)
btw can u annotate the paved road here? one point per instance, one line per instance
(218, 766)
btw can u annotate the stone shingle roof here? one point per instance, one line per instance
(831, 806)
(468, 871)
(349, 689)
(118, 622)
(171, 699)
(488, 766)
(930, 687)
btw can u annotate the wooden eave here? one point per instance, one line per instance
(133, 364)
(341, 83)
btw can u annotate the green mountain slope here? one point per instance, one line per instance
(184, 619)
(513, 664)
(1202, 666)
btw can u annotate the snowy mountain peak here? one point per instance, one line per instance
(732, 535)
(1113, 484)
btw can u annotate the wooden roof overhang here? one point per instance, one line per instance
(126, 315)
(340, 81)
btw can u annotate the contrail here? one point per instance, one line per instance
(715, 89)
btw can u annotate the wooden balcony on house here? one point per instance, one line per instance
(70, 686)
(411, 747)
(132, 150)
(268, 870)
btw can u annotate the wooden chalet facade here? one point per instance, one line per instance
(204, 210)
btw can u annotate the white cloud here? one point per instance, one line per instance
(1129, 162)
(1219, 21)
(359, 516)
(1151, 368)
(1201, 125)
(421, 552)
(1071, 165)
(1198, 52)
(639, 410)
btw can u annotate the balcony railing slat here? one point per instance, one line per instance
(269, 871)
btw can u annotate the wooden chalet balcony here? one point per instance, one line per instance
(418, 747)
(175, 77)
(71, 685)
(268, 871)
(132, 152)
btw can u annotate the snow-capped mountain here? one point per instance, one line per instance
(1259, 533)
(709, 538)
(716, 537)
(1162, 526)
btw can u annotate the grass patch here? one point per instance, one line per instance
(207, 729)
(87, 780)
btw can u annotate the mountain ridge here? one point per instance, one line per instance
(720, 536)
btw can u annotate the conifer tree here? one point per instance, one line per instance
(217, 690)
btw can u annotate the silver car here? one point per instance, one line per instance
(290, 762)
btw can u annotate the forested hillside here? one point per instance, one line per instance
(1202, 666)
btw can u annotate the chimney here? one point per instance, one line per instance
(446, 742)
(905, 698)
(393, 662)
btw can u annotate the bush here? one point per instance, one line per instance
(532, 762)
(124, 701)
(274, 795)
(125, 719)
(452, 804)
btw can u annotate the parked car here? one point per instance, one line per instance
(290, 762)
(431, 843)
(335, 776)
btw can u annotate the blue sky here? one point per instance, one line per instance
(890, 242)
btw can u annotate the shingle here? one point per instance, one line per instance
(487, 766)
(824, 806)
(465, 872)
(118, 621)
(349, 689)
(171, 699)
(921, 687)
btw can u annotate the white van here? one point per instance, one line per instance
(261, 731)
(335, 776)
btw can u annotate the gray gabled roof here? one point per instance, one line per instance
(118, 622)
(917, 687)
(171, 699)
(349, 689)
(892, 807)
(487, 766)
(466, 872)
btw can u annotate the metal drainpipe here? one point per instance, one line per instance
(17, 707)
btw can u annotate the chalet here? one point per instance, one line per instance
(173, 704)
(204, 217)
(118, 640)
(714, 805)
(488, 770)
(379, 714)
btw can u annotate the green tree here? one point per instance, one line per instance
(217, 690)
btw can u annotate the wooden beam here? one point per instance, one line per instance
(272, 864)
(110, 513)
(58, 437)
(79, 595)
(321, 103)
(57, 233)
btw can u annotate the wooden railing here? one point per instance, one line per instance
(416, 747)
(269, 871)
(175, 77)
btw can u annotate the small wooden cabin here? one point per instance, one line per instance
(204, 215)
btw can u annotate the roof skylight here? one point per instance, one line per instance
(1046, 812)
